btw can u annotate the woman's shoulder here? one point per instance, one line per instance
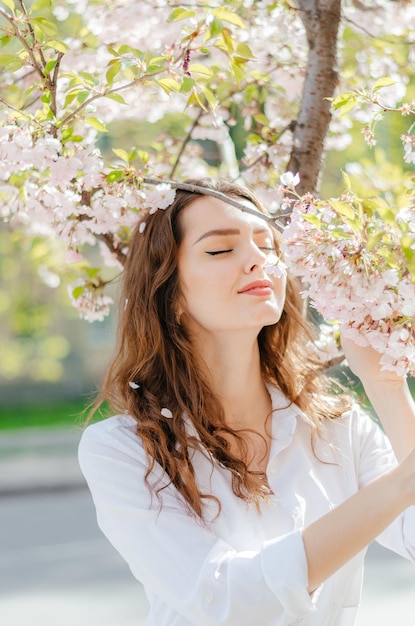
(113, 436)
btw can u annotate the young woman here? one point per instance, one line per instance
(237, 489)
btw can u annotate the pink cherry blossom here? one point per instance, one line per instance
(351, 283)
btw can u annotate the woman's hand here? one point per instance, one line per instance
(388, 393)
(364, 362)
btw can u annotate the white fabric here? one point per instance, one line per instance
(243, 568)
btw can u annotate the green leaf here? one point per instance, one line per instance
(77, 292)
(41, 5)
(112, 51)
(4, 40)
(228, 16)
(210, 97)
(383, 82)
(244, 51)
(347, 180)
(408, 249)
(260, 118)
(89, 78)
(11, 62)
(389, 256)
(125, 49)
(9, 4)
(116, 97)
(92, 272)
(156, 60)
(114, 68)
(180, 14)
(44, 25)
(82, 96)
(143, 156)
(237, 71)
(122, 154)
(95, 123)
(115, 175)
(312, 219)
(50, 65)
(169, 84)
(373, 240)
(57, 45)
(70, 98)
(198, 68)
(216, 28)
(343, 209)
(197, 99)
(187, 84)
(345, 101)
(339, 233)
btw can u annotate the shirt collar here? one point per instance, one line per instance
(285, 416)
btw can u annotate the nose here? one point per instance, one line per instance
(255, 258)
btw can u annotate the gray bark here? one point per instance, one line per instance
(321, 19)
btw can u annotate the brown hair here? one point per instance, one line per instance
(155, 353)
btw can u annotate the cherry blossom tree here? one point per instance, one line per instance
(273, 84)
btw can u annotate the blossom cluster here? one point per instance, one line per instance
(77, 73)
(354, 261)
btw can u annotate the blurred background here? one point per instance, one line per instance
(55, 566)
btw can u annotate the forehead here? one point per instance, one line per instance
(208, 213)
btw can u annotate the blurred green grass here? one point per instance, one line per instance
(43, 415)
(73, 412)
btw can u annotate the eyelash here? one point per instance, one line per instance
(215, 252)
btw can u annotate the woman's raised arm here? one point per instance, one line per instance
(389, 395)
(338, 536)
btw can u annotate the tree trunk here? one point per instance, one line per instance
(321, 19)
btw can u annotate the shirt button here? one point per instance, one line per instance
(208, 598)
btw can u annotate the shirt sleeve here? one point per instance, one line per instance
(179, 559)
(376, 456)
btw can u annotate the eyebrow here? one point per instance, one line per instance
(229, 231)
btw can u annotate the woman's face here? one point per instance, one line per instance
(223, 282)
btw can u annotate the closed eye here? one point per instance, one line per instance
(270, 248)
(214, 252)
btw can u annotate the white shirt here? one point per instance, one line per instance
(244, 568)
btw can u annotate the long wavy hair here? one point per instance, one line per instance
(154, 366)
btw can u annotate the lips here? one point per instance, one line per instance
(258, 287)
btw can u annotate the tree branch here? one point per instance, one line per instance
(321, 19)
(32, 32)
(19, 36)
(108, 239)
(185, 142)
(103, 94)
(52, 84)
(273, 220)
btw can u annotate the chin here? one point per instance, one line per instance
(272, 316)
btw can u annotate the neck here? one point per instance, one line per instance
(236, 379)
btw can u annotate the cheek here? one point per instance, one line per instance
(280, 287)
(194, 290)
